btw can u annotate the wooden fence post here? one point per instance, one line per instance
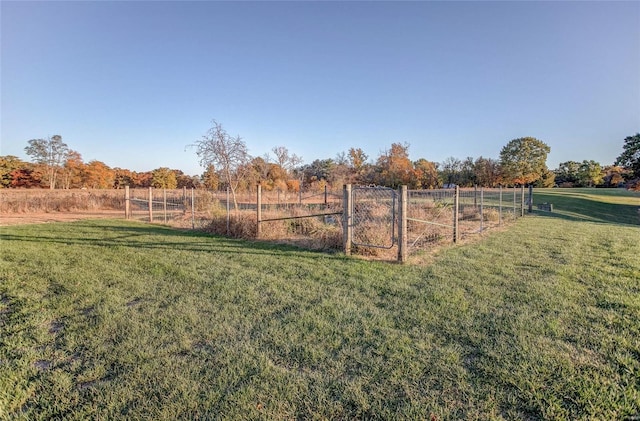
(164, 204)
(530, 198)
(259, 211)
(150, 204)
(500, 208)
(347, 219)
(228, 212)
(127, 203)
(402, 225)
(522, 200)
(184, 200)
(481, 209)
(456, 210)
(193, 210)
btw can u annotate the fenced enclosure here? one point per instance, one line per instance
(155, 205)
(374, 221)
(434, 216)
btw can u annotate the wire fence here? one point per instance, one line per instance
(373, 221)
(446, 215)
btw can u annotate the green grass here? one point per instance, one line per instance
(114, 319)
(615, 206)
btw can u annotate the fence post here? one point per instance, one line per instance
(184, 200)
(402, 225)
(481, 209)
(456, 210)
(530, 198)
(522, 200)
(164, 204)
(500, 208)
(475, 197)
(193, 210)
(347, 227)
(228, 212)
(127, 203)
(259, 211)
(150, 204)
(325, 196)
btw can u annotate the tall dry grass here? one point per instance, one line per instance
(42, 201)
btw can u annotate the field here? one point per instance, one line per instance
(114, 319)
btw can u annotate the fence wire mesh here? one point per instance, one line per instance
(431, 214)
(157, 205)
(429, 217)
(374, 217)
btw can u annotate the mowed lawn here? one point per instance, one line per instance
(122, 320)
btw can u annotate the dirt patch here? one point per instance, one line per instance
(47, 217)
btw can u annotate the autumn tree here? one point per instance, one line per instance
(426, 173)
(51, 153)
(98, 175)
(123, 177)
(72, 170)
(186, 181)
(163, 178)
(210, 178)
(142, 179)
(394, 166)
(357, 158)
(29, 176)
(523, 160)
(614, 175)
(286, 160)
(228, 153)
(9, 164)
(630, 157)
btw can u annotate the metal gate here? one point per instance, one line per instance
(374, 216)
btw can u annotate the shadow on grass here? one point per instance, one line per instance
(585, 209)
(116, 233)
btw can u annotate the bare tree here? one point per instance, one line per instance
(227, 153)
(51, 153)
(286, 160)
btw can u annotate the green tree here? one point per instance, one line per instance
(568, 173)
(524, 160)
(590, 173)
(630, 157)
(487, 172)
(51, 153)
(163, 178)
(451, 171)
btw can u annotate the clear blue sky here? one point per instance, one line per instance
(133, 83)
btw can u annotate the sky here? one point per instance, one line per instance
(133, 84)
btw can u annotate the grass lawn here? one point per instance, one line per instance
(116, 319)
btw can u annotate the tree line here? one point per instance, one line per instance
(227, 163)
